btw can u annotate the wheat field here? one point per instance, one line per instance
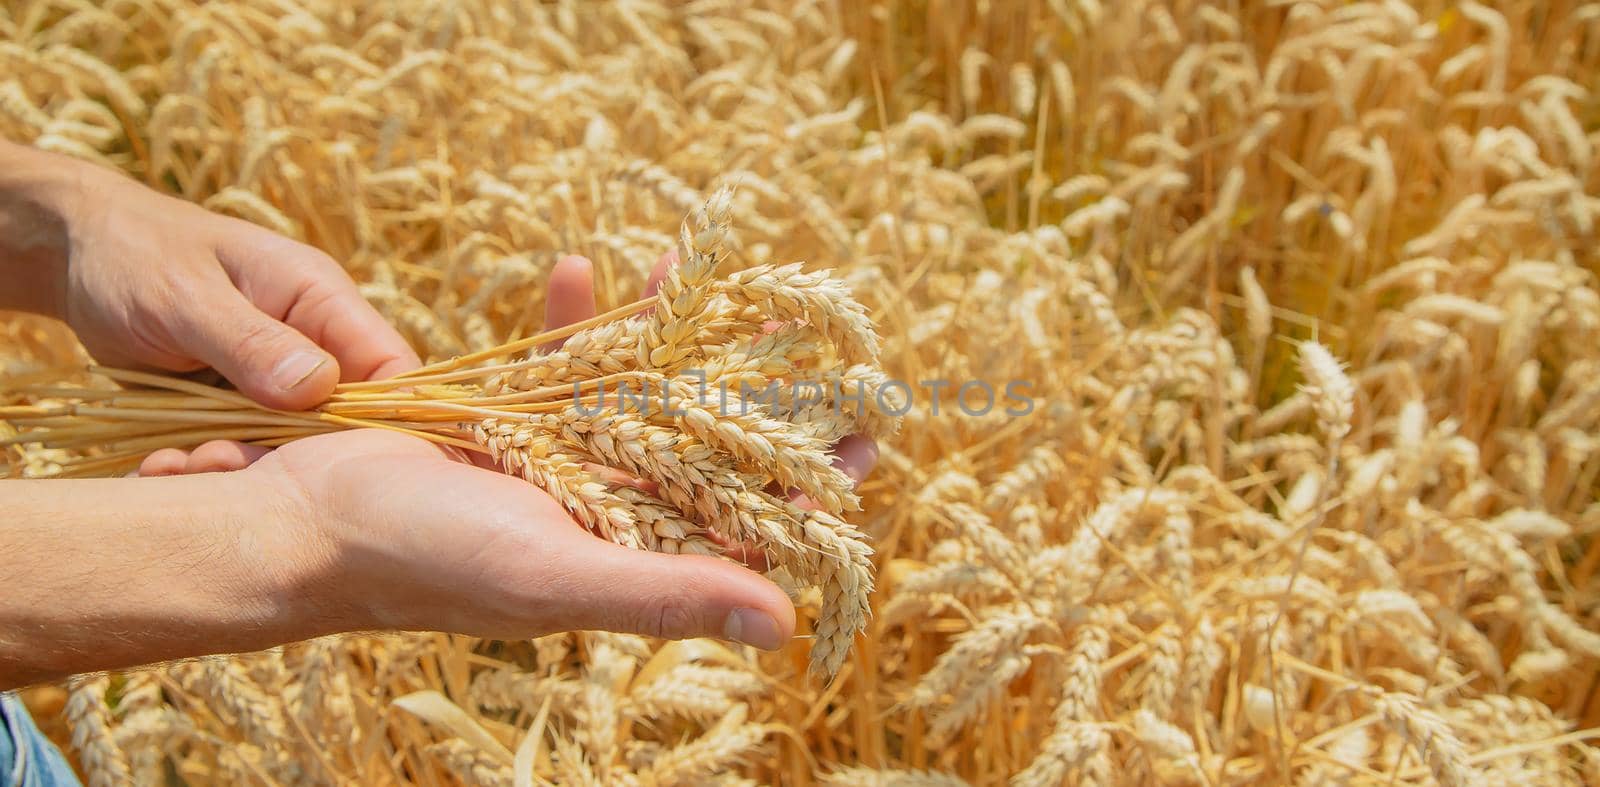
(1305, 293)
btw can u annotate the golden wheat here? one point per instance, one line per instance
(1304, 294)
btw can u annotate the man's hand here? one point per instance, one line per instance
(422, 541)
(147, 280)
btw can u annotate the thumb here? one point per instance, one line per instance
(682, 596)
(267, 360)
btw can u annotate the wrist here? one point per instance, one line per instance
(39, 192)
(265, 581)
(162, 568)
(291, 557)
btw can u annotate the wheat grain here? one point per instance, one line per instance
(103, 761)
(869, 777)
(1332, 395)
(1429, 735)
(470, 764)
(730, 738)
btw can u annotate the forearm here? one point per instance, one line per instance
(102, 574)
(37, 190)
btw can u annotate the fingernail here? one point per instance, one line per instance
(752, 627)
(296, 368)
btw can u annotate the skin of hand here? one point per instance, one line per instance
(147, 280)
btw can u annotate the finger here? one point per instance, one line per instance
(749, 554)
(570, 296)
(477, 459)
(856, 455)
(611, 475)
(269, 361)
(659, 273)
(305, 288)
(673, 596)
(167, 461)
(221, 456)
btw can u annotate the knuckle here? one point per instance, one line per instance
(318, 297)
(259, 338)
(177, 289)
(322, 261)
(671, 617)
(175, 298)
(307, 259)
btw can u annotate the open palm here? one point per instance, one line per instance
(419, 540)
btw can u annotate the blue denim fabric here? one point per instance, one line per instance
(27, 758)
